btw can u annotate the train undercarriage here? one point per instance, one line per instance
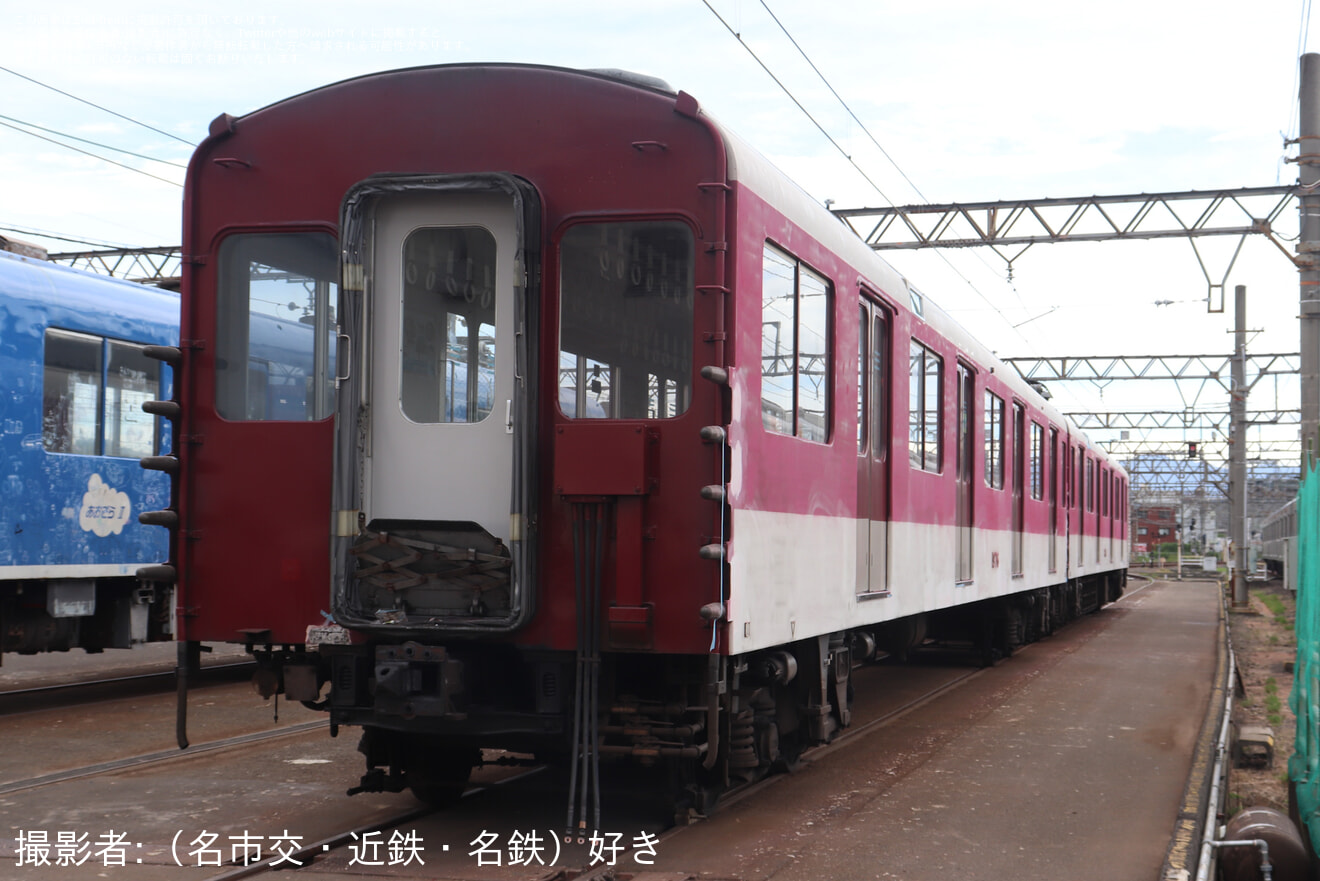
(702, 723)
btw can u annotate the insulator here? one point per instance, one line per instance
(714, 492)
(167, 518)
(717, 375)
(171, 355)
(163, 572)
(168, 464)
(713, 434)
(168, 409)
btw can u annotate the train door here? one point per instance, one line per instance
(442, 373)
(963, 467)
(873, 449)
(1052, 482)
(1018, 466)
(434, 440)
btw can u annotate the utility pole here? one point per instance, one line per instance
(1308, 253)
(1237, 448)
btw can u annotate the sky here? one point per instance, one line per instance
(970, 101)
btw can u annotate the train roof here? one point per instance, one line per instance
(749, 167)
(83, 301)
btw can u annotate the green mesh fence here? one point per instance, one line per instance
(1304, 764)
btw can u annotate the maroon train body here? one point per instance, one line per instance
(602, 438)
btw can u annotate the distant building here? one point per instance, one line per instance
(23, 249)
(1155, 524)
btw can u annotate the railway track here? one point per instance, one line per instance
(15, 701)
(160, 757)
(485, 804)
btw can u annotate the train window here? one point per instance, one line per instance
(92, 394)
(925, 373)
(1037, 461)
(448, 351)
(879, 386)
(863, 351)
(795, 309)
(1090, 484)
(275, 326)
(625, 320)
(71, 392)
(132, 378)
(994, 440)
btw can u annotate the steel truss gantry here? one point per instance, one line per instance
(159, 266)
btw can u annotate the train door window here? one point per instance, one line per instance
(925, 393)
(131, 379)
(625, 320)
(1090, 484)
(275, 326)
(1037, 461)
(863, 361)
(447, 366)
(994, 440)
(795, 310)
(880, 385)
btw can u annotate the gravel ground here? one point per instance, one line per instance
(1265, 647)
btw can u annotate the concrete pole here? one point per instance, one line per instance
(1237, 450)
(1308, 250)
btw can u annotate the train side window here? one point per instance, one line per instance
(994, 440)
(625, 320)
(90, 410)
(132, 378)
(1037, 461)
(275, 326)
(925, 392)
(795, 358)
(71, 393)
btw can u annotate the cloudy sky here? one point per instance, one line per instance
(972, 100)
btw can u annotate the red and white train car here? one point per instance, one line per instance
(597, 436)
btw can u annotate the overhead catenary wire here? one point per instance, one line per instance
(51, 131)
(96, 243)
(788, 92)
(104, 159)
(95, 105)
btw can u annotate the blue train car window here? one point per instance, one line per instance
(131, 379)
(71, 392)
(449, 295)
(92, 394)
(275, 326)
(625, 320)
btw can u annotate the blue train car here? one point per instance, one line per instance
(72, 430)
